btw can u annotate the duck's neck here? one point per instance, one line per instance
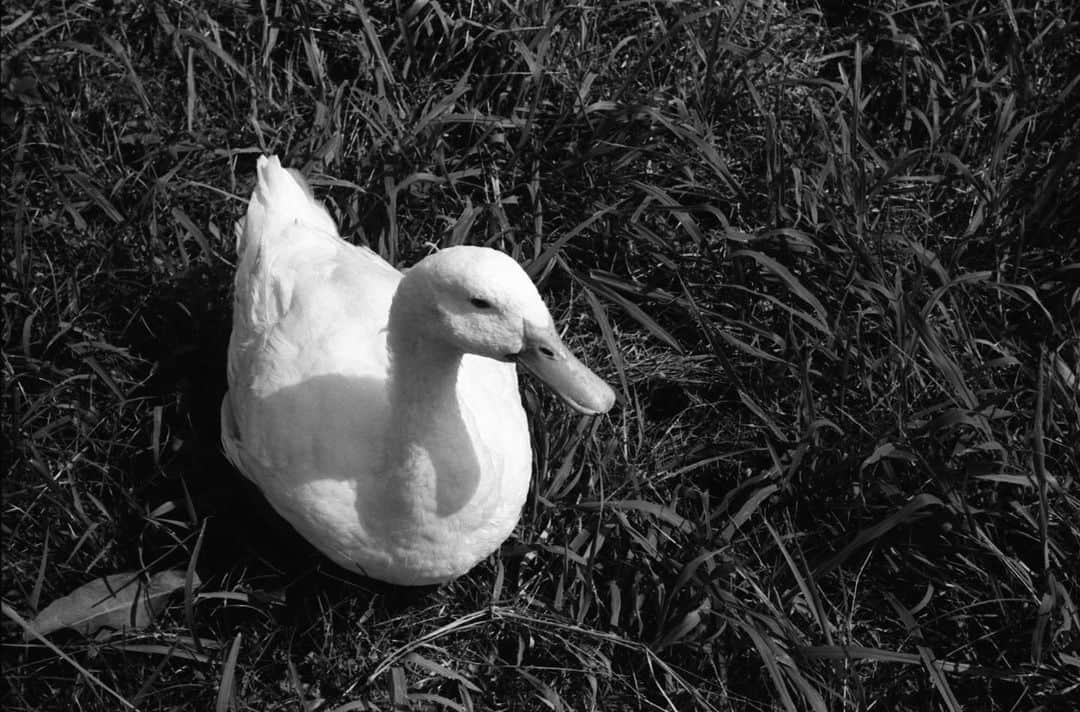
(432, 468)
(423, 379)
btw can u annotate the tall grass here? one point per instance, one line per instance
(828, 254)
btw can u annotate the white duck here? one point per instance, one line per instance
(378, 412)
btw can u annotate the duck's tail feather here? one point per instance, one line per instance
(281, 194)
(284, 223)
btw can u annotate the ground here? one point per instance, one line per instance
(827, 254)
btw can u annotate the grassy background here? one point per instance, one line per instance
(828, 254)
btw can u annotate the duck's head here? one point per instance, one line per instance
(478, 300)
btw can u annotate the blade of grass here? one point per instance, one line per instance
(906, 513)
(226, 697)
(937, 675)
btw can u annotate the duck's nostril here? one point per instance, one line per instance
(547, 352)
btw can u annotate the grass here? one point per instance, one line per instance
(828, 255)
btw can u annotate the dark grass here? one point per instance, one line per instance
(828, 254)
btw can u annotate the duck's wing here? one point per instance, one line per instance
(307, 355)
(289, 242)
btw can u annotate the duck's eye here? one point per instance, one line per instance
(480, 303)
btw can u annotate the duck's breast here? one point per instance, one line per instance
(491, 402)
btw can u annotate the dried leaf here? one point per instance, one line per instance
(116, 601)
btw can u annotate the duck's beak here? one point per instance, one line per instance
(545, 355)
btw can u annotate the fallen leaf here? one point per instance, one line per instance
(115, 601)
